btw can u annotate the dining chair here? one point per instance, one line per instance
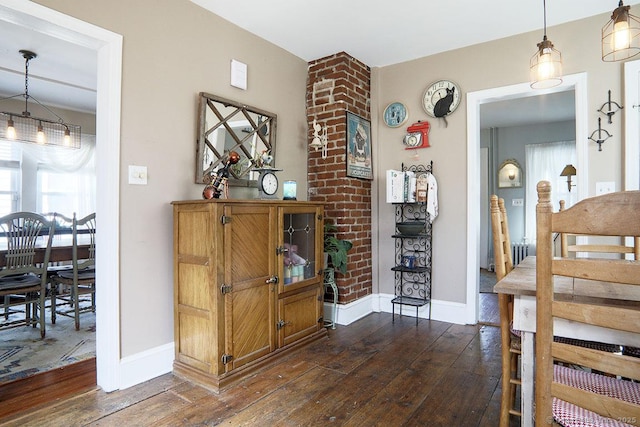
(565, 395)
(69, 285)
(23, 281)
(509, 337)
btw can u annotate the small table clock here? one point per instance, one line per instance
(267, 183)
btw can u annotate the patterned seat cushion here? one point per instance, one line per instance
(570, 415)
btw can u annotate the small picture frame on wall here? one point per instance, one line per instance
(359, 163)
(510, 174)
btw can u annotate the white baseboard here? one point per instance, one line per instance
(141, 367)
(146, 365)
(444, 311)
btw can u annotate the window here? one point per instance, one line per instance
(9, 178)
(48, 178)
(545, 162)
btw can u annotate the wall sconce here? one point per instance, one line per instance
(620, 36)
(569, 171)
(319, 140)
(546, 63)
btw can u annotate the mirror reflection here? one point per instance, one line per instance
(224, 126)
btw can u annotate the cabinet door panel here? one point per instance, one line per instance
(298, 316)
(249, 307)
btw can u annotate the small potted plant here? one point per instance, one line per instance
(336, 249)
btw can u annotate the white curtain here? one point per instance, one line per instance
(545, 162)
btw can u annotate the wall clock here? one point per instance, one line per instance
(395, 114)
(441, 99)
(267, 183)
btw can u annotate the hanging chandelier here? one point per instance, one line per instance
(26, 128)
(546, 63)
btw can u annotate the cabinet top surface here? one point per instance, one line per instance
(249, 201)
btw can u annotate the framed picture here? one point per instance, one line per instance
(509, 174)
(358, 147)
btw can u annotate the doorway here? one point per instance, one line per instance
(575, 82)
(108, 48)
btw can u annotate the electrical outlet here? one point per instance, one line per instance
(605, 187)
(517, 202)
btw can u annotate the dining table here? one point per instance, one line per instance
(61, 248)
(521, 283)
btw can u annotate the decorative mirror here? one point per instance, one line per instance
(509, 174)
(225, 126)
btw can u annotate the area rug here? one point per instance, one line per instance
(23, 353)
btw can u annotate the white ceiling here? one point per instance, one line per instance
(376, 32)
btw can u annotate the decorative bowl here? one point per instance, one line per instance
(410, 228)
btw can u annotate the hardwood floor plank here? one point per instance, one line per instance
(372, 373)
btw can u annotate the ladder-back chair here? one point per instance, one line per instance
(509, 339)
(81, 278)
(563, 394)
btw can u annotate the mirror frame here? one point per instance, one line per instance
(206, 105)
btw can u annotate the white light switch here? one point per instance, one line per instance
(605, 187)
(517, 202)
(137, 175)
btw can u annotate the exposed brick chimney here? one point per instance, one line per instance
(337, 84)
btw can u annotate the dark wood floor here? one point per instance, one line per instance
(372, 372)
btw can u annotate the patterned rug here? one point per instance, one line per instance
(23, 353)
(487, 281)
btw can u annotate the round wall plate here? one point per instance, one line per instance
(395, 114)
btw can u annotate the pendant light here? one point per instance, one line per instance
(546, 63)
(26, 128)
(621, 35)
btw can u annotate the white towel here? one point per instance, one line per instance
(432, 197)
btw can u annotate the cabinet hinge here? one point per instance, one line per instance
(281, 250)
(226, 358)
(225, 219)
(226, 289)
(321, 320)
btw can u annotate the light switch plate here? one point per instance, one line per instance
(137, 175)
(517, 202)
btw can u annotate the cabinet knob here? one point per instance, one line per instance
(272, 279)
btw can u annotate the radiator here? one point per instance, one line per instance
(518, 252)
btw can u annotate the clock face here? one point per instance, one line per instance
(441, 98)
(395, 114)
(269, 183)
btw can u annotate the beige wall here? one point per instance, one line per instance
(172, 50)
(500, 63)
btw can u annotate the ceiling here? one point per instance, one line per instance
(64, 74)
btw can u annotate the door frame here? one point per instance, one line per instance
(108, 48)
(576, 82)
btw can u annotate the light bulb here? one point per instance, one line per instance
(620, 37)
(11, 130)
(67, 137)
(546, 68)
(41, 138)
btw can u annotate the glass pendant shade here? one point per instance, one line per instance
(546, 66)
(621, 35)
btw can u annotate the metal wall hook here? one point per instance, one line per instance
(600, 131)
(610, 111)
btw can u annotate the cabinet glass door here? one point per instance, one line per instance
(299, 260)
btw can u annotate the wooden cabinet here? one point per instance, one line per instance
(247, 285)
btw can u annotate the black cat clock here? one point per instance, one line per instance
(441, 98)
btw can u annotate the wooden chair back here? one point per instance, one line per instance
(501, 240)
(567, 248)
(503, 265)
(615, 214)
